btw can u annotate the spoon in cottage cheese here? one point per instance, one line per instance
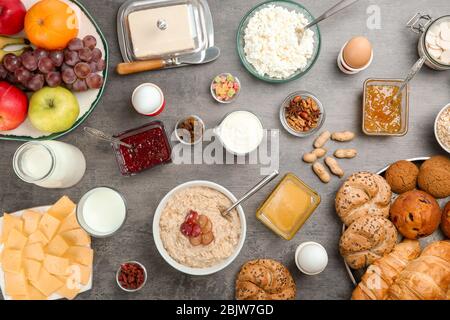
(330, 12)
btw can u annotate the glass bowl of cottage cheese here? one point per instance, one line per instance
(272, 44)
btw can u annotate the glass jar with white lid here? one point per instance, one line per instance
(49, 164)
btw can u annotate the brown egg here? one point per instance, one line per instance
(357, 52)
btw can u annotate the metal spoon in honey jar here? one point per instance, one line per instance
(106, 137)
(415, 68)
(256, 188)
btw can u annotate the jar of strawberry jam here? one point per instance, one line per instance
(150, 148)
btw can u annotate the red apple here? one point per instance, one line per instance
(12, 16)
(13, 106)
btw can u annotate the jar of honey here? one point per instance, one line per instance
(384, 115)
(288, 207)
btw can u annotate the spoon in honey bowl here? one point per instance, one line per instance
(415, 68)
(256, 188)
(105, 137)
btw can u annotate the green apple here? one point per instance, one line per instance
(53, 109)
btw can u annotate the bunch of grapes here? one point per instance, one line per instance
(75, 67)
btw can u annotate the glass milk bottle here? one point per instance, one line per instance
(49, 164)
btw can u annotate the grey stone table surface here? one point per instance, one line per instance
(186, 91)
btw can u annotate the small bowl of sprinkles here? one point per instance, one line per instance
(442, 128)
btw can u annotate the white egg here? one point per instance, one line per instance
(147, 99)
(311, 258)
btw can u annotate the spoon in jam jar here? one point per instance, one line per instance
(106, 137)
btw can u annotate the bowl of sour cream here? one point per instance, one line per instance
(240, 132)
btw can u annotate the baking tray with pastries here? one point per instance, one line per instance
(395, 239)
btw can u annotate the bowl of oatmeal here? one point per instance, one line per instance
(442, 128)
(191, 234)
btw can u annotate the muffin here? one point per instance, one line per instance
(445, 223)
(434, 176)
(402, 176)
(416, 214)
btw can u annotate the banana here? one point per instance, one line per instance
(8, 41)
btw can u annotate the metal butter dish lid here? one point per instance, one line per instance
(161, 29)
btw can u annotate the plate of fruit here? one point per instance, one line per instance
(53, 68)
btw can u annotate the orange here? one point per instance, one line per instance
(51, 24)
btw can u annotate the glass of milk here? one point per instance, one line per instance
(101, 212)
(49, 164)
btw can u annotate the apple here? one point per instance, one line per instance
(53, 109)
(12, 16)
(13, 106)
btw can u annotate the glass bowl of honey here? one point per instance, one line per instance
(288, 207)
(383, 113)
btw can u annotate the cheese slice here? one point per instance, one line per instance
(32, 269)
(62, 208)
(56, 265)
(57, 247)
(47, 283)
(31, 221)
(12, 260)
(70, 289)
(16, 240)
(34, 251)
(35, 294)
(10, 222)
(80, 272)
(15, 284)
(69, 223)
(49, 225)
(82, 255)
(37, 237)
(77, 237)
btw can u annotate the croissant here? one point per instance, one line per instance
(425, 278)
(381, 274)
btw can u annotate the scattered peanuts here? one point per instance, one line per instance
(334, 167)
(314, 155)
(319, 169)
(321, 172)
(345, 153)
(322, 139)
(343, 136)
